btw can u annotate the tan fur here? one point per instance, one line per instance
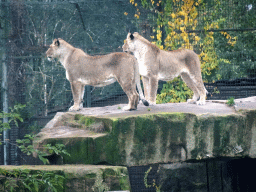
(156, 64)
(83, 69)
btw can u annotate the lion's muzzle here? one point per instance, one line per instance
(49, 58)
(49, 54)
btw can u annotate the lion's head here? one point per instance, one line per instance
(129, 45)
(52, 52)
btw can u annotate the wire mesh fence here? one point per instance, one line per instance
(100, 27)
(43, 83)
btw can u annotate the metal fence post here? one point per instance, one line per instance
(5, 107)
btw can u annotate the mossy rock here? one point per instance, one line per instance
(159, 138)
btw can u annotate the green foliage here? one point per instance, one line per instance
(14, 116)
(174, 91)
(99, 185)
(237, 61)
(34, 181)
(146, 178)
(27, 147)
(216, 91)
(26, 180)
(154, 182)
(231, 101)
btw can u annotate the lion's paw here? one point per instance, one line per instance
(74, 108)
(200, 102)
(127, 108)
(191, 101)
(151, 103)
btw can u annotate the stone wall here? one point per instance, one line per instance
(153, 138)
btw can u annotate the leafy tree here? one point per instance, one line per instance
(237, 60)
(201, 25)
(13, 116)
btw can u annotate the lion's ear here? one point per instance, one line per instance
(131, 36)
(57, 43)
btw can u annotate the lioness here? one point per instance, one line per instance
(83, 69)
(156, 64)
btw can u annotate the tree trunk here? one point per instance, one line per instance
(16, 41)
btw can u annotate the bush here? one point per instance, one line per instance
(174, 91)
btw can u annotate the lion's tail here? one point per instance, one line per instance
(137, 80)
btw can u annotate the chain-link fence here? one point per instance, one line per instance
(92, 26)
(100, 27)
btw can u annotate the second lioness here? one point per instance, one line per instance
(83, 69)
(156, 64)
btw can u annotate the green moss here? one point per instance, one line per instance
(146, 128)
(226, 131)
(112, 146)
(78, 116)
(124, 125)
(109, 172)
(201, 126)
(80, 149)
(84, 120)
(90, 176)
(108, 123)
(121, 174)
(124, 183)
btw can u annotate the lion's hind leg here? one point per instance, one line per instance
(201, 88)
(132, 95)
(132, 105)
(191, 84)
(133, 98)
(202, 91)
(197, 86)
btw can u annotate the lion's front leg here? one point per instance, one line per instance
(82, 96)
(145, 81)
(152, 90)
(76, 88)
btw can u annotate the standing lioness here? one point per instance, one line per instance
(156, 64)
(83, 69)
